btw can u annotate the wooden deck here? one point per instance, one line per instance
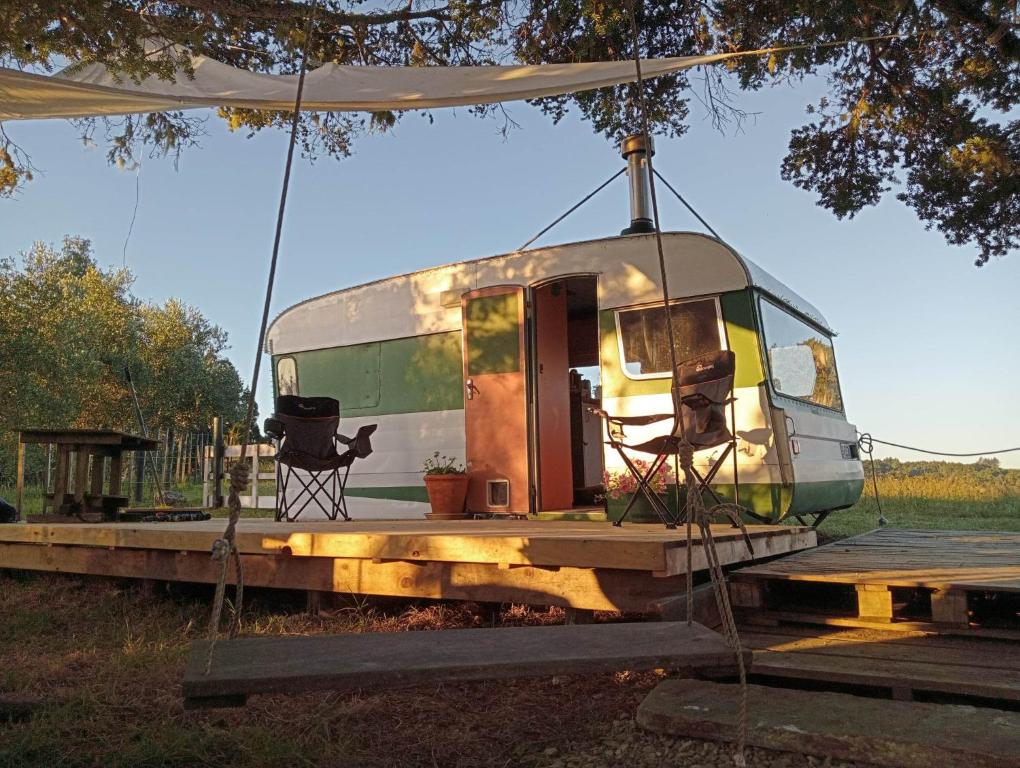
(580, 565)
(837, 726)
(899, 665)
(950, 581)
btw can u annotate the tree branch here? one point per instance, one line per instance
(289, 10)
(996, 30)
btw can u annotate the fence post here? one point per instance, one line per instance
(139, 474)
(189, 458)
(217, 468)
(180, 456)
(206, 468)
(255, 475)
(164, 473)
(203, 441)
(20, 480)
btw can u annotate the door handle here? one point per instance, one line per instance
(470, 389)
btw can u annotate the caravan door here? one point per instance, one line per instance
(496, 400)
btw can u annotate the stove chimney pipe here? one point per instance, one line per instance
(635, 152)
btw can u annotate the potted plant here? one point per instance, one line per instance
(447, 485)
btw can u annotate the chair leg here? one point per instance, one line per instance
(309, 494)
(616, 446)
(660, 506)
(645, 488)
(331, 511)
(281, 498)
(283, 510)
(633, 470)
(342, 488)
(618, 522)
(705, 483)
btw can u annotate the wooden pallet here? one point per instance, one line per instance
(371, 661)
(901, 665)
(899, 734)
(947, 581)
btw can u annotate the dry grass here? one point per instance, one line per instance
(106, 660)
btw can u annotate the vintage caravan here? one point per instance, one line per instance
(500, 361)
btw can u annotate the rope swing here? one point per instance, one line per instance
(695, 504)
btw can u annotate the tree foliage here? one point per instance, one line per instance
(69, 331)
(983, 480)
(927, 113)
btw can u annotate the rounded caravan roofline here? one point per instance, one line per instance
(627, 265)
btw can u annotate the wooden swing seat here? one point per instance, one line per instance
(374, 661)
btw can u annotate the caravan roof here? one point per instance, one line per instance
(428, 301)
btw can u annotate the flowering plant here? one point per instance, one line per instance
(441, 465)
(620, 483)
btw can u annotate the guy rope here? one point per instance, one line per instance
(225, 548)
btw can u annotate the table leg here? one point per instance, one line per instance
(19, 498)
(96, 475)
(116, 467)
(81, 469)
(60, 478)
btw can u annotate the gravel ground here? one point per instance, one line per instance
(627, 746)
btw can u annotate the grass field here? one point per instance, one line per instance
(980, 497)
(103, 658)
(106, 659)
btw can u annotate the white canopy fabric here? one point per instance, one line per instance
(95, 91)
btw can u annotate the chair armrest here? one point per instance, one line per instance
(699, 400)
(274, 428)
(639, 421)
(344, 439)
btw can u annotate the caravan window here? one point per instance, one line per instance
(286, 376)
(644, 339)
(800, 356)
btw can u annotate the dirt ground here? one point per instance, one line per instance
(103, 660)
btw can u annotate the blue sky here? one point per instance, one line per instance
(925, 347)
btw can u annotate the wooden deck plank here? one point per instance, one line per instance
(580, 545)
(771, 617)
(984, 669)
(906, 645)
(964, 560)
(372, 661)
(836, 725)
(962, 680)
(595, 589)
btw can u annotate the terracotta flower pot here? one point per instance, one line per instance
(447, 494)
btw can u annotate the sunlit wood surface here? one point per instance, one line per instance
(915, 558)
(905, 663)
(512, 542)
(586, 565)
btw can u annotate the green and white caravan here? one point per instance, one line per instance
(497, 362)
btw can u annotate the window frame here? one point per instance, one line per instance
(617, 311)
(767, 360)
(276, 373)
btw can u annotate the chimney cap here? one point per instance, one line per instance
(635, 143)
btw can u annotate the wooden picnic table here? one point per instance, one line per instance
(86, 450)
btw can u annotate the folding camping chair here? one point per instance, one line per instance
(702, 392)
(305, 432)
